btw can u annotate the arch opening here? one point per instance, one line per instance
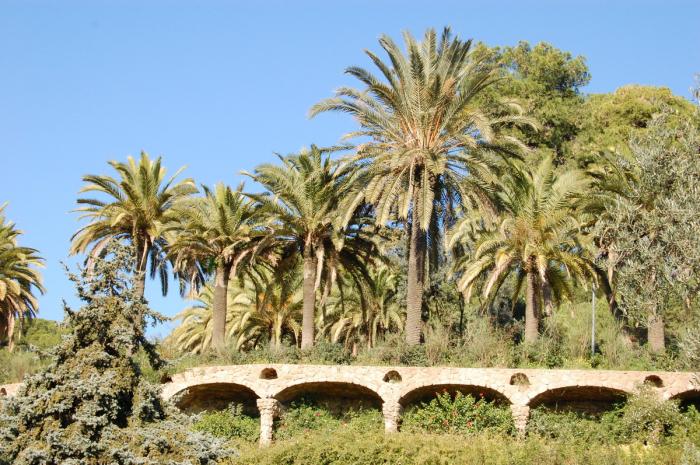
(337, 397)
(654, 381)
(268, 373)
(427, 393)
(217, 396)
(519, 379)
(589, 400)
(688, 398)
(392, 376)
(3, 392)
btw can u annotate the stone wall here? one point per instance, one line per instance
(268, 388)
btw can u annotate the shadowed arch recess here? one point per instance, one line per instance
(335, 394)
(688, 398)
(425, 393)
(582, 399)
(216, 396)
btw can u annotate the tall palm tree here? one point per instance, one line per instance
(217, 232)
(136, 209)
(19, 280)
(429, 146)
(538, 236)
(302, 202)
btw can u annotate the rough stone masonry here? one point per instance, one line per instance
(266, 389)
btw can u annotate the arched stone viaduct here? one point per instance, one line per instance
(270, 387)
(393, 388)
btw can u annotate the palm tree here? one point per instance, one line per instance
(364, 314)
(276, 310)
(538, 237)
(19, 280)
(302, 201)
(219, 232)
(137, 209)
(430, 147)
(194, 333)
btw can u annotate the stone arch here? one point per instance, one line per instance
(688, 398)
(582, 399)
(3, 392)
(426, 392)
(336, 395)
(216, 396)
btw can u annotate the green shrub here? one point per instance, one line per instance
(304, 417)
(572, 426)
(646, 417)
(461, 414)
(229, 424)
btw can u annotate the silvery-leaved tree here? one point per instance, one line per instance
(91, 405)
(653, 229)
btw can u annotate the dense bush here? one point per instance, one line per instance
(229, 424)
(351, 448)
(458, 414)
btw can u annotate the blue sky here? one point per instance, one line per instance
(220, 86)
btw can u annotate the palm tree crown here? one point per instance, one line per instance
(136, 209)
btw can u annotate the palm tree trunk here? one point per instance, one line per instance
(220, 305)
(656, 334)
(141, 259)
(415, 280)
(531, 311)
(11, 331)
(307, 323)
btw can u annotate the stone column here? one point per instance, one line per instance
(521, 413)
(392, 416)
(269, 409)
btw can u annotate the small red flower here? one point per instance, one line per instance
(318, 414)
(445, 423)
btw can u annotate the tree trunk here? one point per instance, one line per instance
(141, 257)
(415, 280)
(10, 331)
(531, 310)
(656, 334)
(307, 323)
(220, 305)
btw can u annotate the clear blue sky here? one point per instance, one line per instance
(218, 86)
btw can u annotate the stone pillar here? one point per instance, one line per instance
(269, 409)
(392, 416)
(521, 413)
